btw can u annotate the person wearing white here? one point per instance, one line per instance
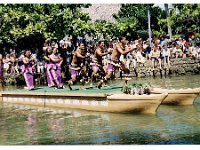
(166, 55)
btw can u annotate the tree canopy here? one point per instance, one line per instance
(31, 23)
(183, 18)
(135, 18)
(27, 25)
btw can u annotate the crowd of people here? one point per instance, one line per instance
(91, 61)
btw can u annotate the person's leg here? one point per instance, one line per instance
(153, 63)
(59, 75)
(55, 77)
(107, 77)
(94, 74)
(168, 61)
(165, 61)
(74, 74)
(160, 63)
(49, 76)
(29, 81)
(125, 70)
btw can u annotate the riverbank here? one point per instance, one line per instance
(180, 66)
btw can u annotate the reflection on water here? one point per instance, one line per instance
(28, 125)
(37, 125)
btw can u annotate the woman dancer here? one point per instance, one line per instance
(28, 66)
(48, 67)
(55, 69)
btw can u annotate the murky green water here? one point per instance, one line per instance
(25, 125)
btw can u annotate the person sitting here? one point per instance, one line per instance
(155, 57)
(178, 52)
(166, 55)
(140, 59)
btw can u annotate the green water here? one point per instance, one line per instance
(26, 125)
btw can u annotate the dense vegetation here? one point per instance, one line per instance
(27, 25)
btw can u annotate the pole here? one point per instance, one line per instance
(149, 26)
(168, 26)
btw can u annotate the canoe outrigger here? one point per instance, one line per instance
(178, 96)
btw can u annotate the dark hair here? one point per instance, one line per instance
(100, 42)
(121, 37)
(81, 43)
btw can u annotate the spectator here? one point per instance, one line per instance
(166, 56)
(178, 52)
(155, 57)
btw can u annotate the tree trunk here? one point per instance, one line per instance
(167, 15)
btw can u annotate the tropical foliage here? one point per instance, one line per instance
(183, 18)
(137, 88)
(27, 25)
(135, 17)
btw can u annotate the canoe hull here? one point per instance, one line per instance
(136, 103)
(124, 104)
(179, 97)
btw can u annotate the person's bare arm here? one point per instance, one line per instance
(98, 51)
(123, 52)
(25, 60)
(78, 54)
(46, 58)
(61, 60)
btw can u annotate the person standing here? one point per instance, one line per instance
(28, 68)
(97, 60)
(55, 70)
(48, 67)
(114, 63)
(77, 67)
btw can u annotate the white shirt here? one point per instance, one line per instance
(166, 52)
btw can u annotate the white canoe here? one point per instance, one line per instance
(119, 103)
(136, 103)
(178, 96)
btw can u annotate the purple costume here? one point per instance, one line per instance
(74, 70)
(111, 66)
(94, 63)
(27, 71)
(55, 71)
(48, 67)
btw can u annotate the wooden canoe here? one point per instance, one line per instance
(118, 103)
(136, 103)
(178, 96)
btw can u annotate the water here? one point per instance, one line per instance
(27, 125)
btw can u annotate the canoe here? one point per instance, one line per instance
(178, 96)
(88, 101)
(136, 103)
